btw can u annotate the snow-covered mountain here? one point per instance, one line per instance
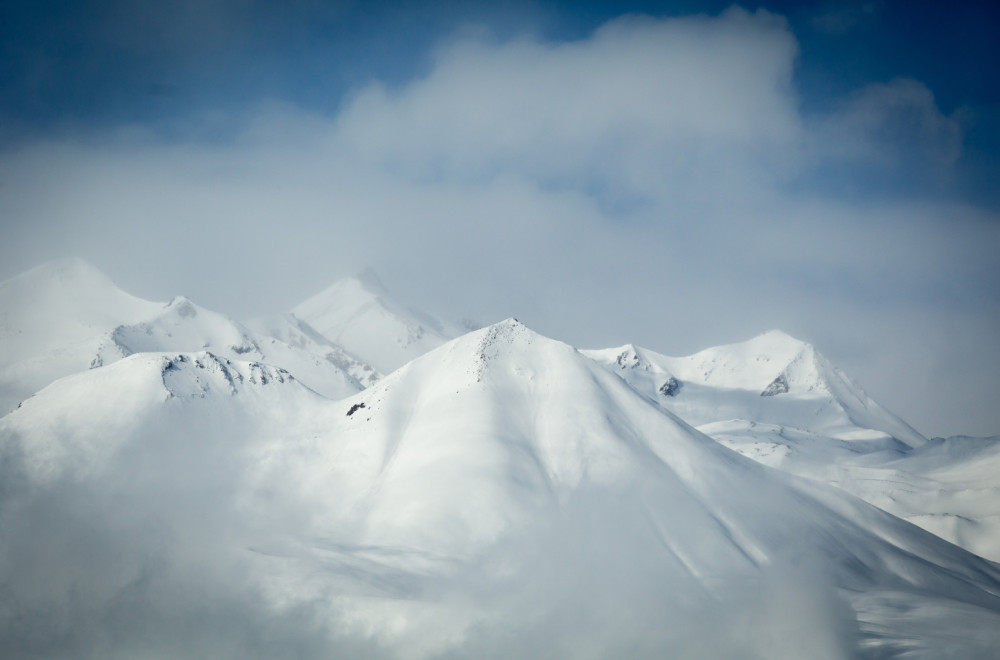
(773, 379)
(66, 316)
(297, 346)
(53, 320)
(951, 487)
(181, 484)
(358, 314)
(77, 424)
(778, 401)
(503, 495)
(285, 342)
(178, 325)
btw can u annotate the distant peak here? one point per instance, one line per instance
(70, 268)
(776, 344)
(503, 332)
(508, 324)
(183, 306)
(627, 357)
(779, 336)
(370, 280)
(364, 286)
(69, 263)
(187, 375)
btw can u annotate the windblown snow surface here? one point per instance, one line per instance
(503, 495)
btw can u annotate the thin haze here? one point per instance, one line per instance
(676, 175)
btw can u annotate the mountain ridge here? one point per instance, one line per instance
(358, 314)
(495, 484)
(66, 316)
(778, 378)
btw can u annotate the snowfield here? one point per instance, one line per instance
(215, 489)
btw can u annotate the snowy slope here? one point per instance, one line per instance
(949, 486)
(66, 316)
(358, 314)
(52, 322)
(772, 379)
(294, 344)
(961, 498)
(78, 422)
(177, 326)
(181, 325)
(778, 401)
(501, 496)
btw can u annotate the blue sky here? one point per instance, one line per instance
(673, 174)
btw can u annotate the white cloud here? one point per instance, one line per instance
(892, 125)
(639, 103)
(654, 182)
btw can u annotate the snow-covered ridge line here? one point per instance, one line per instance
(773, 398)
(358, 314)
(771, 378)
(815, 422)
(494, 485)
(66, 316)
(179, 373)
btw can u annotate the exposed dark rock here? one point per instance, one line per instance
(628, 359)
(671, 387)
(778, 386)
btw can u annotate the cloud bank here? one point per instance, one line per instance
(655, 182)
(180, 543)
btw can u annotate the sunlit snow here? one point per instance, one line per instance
(185, 485)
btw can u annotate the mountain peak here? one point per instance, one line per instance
(753, 364)
(496, 339)
(188, 375)
(509, 324)
(369, 280)
(776, 343)
(67, 272)
(54, 319)
(779, 335)
(183, 307)
(625, 357)
(69, 265)
(773, 378)
(358, 314)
